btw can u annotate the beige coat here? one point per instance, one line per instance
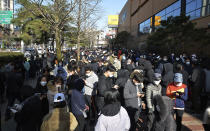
(59, 120)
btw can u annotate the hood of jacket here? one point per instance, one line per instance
(165, 106)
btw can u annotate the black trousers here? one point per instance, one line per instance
(134, 116)
(179, 115)
(81, 123)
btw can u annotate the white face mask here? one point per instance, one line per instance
(157, 82)
(58, 86)
(164, 59)
(123, 57)
(177, 59)
(43, 83)
(179, 84)
(137, 84)
(88, 74)
(110, 74)
(188, 63)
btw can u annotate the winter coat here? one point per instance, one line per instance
(77, 102)
(179, 101)
(26, 66)
(59, 120)
(207, 82)
(130, 95)
(52, 90)
(151, 91)
(164, 120)
(104, 84)
(91, 84)
(149, 72)
(14, 83)
(30, 116)
(120, 122)
(197, 77)
(167, 74)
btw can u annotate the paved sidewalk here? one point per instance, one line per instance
(192, 122)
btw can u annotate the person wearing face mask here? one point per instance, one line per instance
(42, 88)
(178, 92)
(153, 89)
(104, 83)
(90, 88)
(188, 66)
(117, 63)
(133, 97)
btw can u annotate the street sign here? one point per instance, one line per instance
(6, 17)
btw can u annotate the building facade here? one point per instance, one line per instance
(7, 5)
(143, 16)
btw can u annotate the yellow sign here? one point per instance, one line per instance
(113, 20)
(157, 20)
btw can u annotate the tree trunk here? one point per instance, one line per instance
(58, 44)
(78, 47)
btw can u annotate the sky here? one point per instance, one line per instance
(110, 7)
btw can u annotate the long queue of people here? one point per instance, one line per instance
(105, 91)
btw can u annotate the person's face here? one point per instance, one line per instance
(44, 79)
(136, 82)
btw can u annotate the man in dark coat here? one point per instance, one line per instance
(14, 83)
(30, 114)
(198, 77)
(149, 72)
(104, 84)
(168, 76)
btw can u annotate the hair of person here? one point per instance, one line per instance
(137, 76)
(60, 104)
(46, 69)
(43, 77)
(79, 84)
(58, 79)
(112, 95)
(71, 67)
(88, 68)
(110, 68)
(179, 67)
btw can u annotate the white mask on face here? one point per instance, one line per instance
(179, 84)
(177, 59)
(137, 84)
(187, 63)
(43, 83)
(58, 86)
(157, 82)
(88, 74)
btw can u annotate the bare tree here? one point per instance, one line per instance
(86, 16)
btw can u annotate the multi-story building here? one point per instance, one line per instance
(7, 5)
(143, 16)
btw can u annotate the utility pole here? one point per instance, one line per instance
(79, 29)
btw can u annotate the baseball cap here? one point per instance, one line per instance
(59, 97)
(178, 77)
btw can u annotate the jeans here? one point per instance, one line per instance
(81, 123)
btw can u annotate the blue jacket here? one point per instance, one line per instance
(77, 102)
(179, 101)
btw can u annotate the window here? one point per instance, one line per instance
(172, 10)
(197, 8)
(145, 27)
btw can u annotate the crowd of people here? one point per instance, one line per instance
(105, 91)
